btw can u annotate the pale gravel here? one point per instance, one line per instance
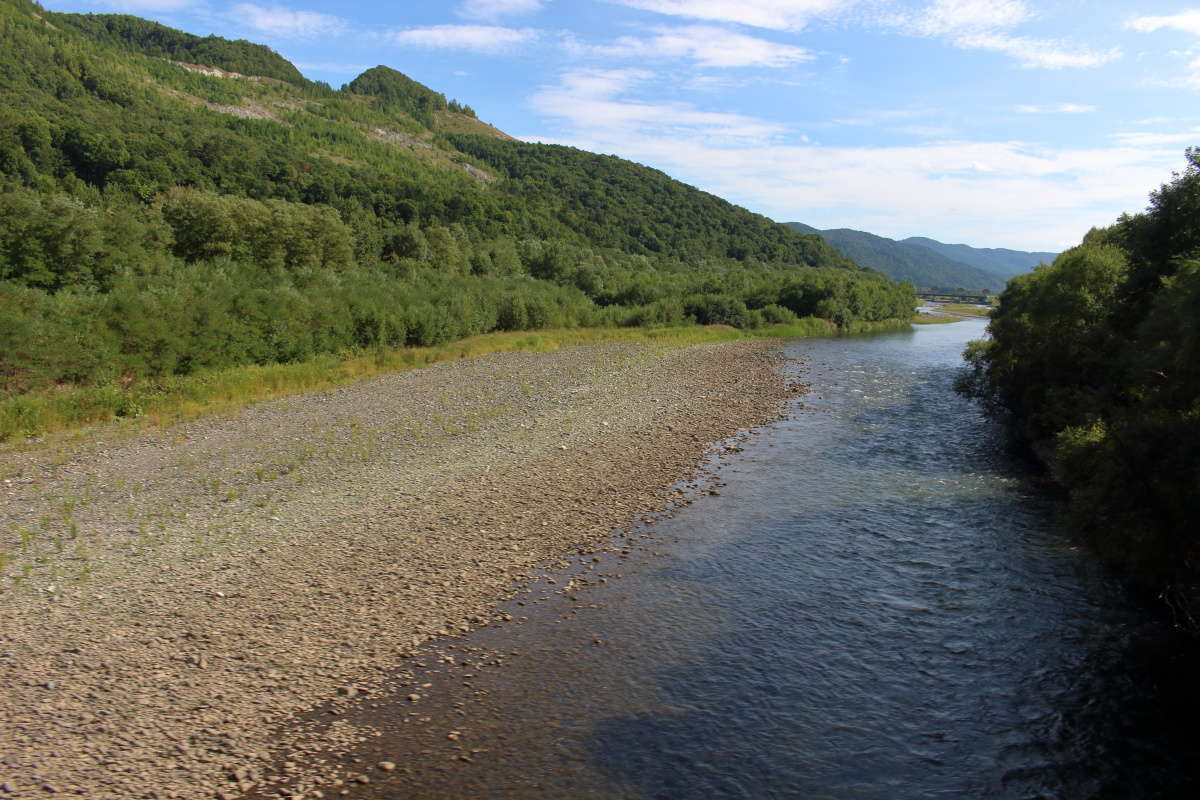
(176, 599)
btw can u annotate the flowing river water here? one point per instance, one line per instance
(878, 603)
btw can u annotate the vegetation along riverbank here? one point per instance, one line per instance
(174, 398)
(173, 206)
(1095, 361)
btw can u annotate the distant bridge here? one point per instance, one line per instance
(956, 296)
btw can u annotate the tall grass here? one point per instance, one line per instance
(966, 309)
(933, 319)
(182, 397)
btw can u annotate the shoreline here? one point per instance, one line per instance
(201, 587)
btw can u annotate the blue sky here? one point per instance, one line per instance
(998, 123)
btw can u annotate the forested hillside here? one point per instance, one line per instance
(902, 261)
(171, 203)
(1096, 357)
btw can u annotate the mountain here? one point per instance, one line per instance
(133, 104)
(136, 35)
(905, 261)
(172, 203)
(995, 260)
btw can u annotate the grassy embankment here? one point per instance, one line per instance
(951, 312)
(183, 397)
(966, 309)
(934, 319)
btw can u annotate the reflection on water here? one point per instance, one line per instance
(876, 606)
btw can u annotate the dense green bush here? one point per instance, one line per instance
(1098, 356)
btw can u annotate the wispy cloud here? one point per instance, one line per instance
(490, 39)
(968, 190)
(495, 9)
(773, 14)
(958, 17)
(1155, 139)
(595, 100)
(985, 25)
(707, 45)
(1060, 108)
(1038, 53)
(966, 24)
(1187, 21)
(285, 22)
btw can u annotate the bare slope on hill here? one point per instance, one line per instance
(175, 599)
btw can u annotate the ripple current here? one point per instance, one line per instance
(879, 605)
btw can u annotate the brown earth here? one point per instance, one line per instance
(175, 600)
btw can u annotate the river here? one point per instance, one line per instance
(878, 602)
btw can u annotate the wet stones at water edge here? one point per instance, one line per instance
(241, 572)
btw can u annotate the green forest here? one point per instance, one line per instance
(1095, 361)
(172, 203)
(922, 267)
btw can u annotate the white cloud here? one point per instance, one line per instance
(1151, 139)
(984, 25)
(958, 17)
(707, 45)
(1037, 53)
(1187, 21)
(286, 23)
(494, 9)
(989, 193)
(965, 24)
(774, 14)
(478, 38)
(1060, 108)
(591, 99)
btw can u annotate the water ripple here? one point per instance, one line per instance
(877, 607)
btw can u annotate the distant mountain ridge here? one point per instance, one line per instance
(922, 267)
(996, 260)
(927, 263)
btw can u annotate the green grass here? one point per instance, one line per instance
(933, 319)
(965, 309)
(864, 327)
(184, 397)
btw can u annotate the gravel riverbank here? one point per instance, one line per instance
(176, 598)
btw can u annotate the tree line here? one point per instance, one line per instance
(158, 221)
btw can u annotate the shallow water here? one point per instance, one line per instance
(879, 604)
